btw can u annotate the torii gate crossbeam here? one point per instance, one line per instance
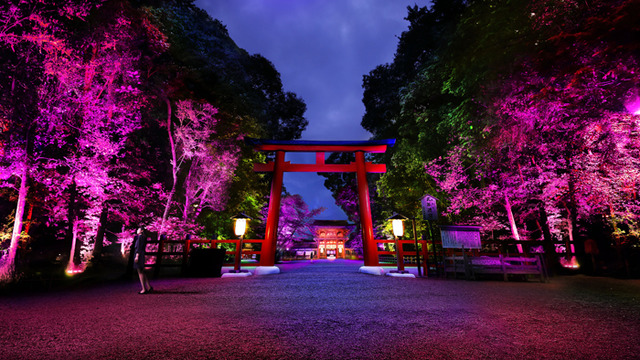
(360, 167)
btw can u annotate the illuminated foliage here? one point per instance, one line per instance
(295, 220)
(119, 114)
(208, 159)
(519, 115)
(32, 42)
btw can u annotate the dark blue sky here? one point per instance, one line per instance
(321, 48)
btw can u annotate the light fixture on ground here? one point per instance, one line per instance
(240, 228)
(397, 224)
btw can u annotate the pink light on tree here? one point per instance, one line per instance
(32, 37)
(208, 157)
(632, 103)
(212, 165)
(295, 220)
(107, 105)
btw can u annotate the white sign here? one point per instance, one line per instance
(458, 237)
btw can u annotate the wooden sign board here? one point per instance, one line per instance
(429, 208)
(458, 237)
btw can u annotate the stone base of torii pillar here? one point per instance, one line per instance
(266, 270)
(372, 270)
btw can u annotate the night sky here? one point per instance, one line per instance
(321, 48)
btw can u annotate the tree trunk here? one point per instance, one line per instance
(570, 226)
(97, 249)
(572, 216)
(72, 220)
(187, 198)
(72, 265)
(27, 222)
(7, 271)
(174, 170)
(512, 222)
(549, 249)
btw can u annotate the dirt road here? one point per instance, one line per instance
(327, 310)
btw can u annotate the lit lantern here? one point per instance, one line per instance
(398, 230)
(633, 104)
(240, 226)
(397, 225)
(240, 229)
(571, 263)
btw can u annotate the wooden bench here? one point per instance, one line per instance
(507, 265)
(471, 266)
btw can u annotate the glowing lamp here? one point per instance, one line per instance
(240, 223)
(397, 224)
(398, 230)
(240, 229)
(633, 104)
(73, 269)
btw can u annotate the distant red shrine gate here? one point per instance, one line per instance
(360, 167)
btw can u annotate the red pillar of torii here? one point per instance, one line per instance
(360, 167)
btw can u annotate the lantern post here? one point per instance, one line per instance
(240, 228)
(397, 224)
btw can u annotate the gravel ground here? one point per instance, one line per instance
(327, 310)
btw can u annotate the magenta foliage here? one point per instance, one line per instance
(89, 88)
(33, 39)
(209, 158)
(295, 220)
(561, 137)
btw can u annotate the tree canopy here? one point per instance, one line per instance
(117, 114)
(514, 114)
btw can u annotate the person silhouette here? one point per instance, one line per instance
(140, 243)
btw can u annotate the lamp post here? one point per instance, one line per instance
(240, 228)
(415, 240)
(398, 230)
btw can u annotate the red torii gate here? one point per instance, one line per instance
(360, 167)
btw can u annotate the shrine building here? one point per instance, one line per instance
(331, 236)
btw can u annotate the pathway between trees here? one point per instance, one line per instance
(327, 310)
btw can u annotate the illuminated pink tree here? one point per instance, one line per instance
(476, 192)
(207, 158)
(564, 110)
(555, 127)
(33, 40)
(295, 220)
(101, 103)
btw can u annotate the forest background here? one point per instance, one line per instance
(519, 116)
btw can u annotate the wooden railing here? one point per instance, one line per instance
(458, 263)
(431, 262)
(407, 258)
(185, 247)
(442, 262)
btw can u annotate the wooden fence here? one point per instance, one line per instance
(473, 266)
(178, 251)
(433, 259)
(536, 260)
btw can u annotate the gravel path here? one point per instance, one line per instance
(327, 310)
